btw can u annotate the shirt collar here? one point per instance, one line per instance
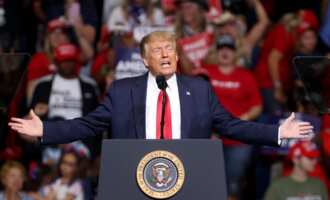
(171, 82)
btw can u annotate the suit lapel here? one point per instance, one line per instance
(186, 106)
(139, 94)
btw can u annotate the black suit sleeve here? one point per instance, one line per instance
(249, 132)
(90, 125)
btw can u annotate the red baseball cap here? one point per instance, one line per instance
(57, 23)
(168, 5)
(308, 20)
(66, 52)
(304, 148)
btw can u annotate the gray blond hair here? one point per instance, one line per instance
(156, 35)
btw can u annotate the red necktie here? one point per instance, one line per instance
(167, 117)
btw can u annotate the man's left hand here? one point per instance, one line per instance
(292, 128)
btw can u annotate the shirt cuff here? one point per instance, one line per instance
(40, 140)
(279, 140)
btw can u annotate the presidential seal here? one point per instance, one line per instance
(160, 174)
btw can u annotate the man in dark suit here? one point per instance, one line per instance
(131, 108)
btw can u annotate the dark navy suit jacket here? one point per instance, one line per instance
(123, 112)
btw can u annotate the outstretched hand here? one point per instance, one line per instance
(31, 126)
(292, 128)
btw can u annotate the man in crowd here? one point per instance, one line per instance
(66, 95)
(131, 107)
(299, 185)
(234, 85)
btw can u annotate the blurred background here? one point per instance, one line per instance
(264, 58)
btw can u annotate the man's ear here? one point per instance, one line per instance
(176, 57)
(145, 62)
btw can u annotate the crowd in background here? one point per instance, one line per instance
(59, 57)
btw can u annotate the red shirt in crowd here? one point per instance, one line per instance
(39, 66)
(283, 41)
(100, 60)
(237, 91)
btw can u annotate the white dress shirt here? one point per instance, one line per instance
(151, 106)
(173, 94)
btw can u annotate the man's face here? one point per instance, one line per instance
(161, 57)
(308, 40)
(67, 68)
(307, 164)
(226, 56)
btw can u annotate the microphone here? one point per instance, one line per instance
(162, 85)
(161, 82)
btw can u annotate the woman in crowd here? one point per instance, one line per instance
(12, 177)
(273, 70)
(236, 26)
(192, 30)
(133, 13)
(191, 18)
(68, 185)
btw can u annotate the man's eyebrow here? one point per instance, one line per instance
(153, 48)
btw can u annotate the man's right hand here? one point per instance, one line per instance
(31, 126)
